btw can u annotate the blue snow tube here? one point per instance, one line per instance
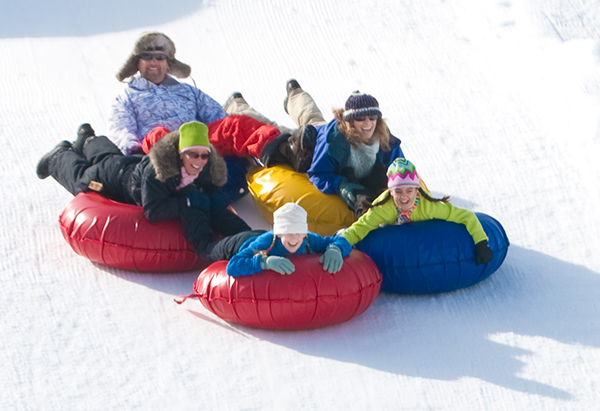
(434, 256)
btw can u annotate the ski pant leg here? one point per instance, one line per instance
(197, 231)
(229, 246)
(102, 163)
(227, 223)
(240, 106)
(67, 167)
(303, 110)
(98, 148)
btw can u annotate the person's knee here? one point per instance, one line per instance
(98, 148)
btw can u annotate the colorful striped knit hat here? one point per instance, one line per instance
(402, 173)
(359, 104)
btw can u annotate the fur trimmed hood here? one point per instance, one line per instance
(164, 157)
(154, 42)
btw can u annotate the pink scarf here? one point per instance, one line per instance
(186, 179)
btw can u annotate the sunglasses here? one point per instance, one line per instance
(363, 118)
(150, 56)
(195, 156)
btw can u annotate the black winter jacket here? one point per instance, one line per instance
(153, 182)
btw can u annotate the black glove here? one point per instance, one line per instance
(483, 253)
(362, 205)
(347, 193)
(219, 201)
(197, 199)
(271, 155)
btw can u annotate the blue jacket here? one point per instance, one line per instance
(143, 105)
(331, 155)
(247, 262)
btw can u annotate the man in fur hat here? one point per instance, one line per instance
(153, 97)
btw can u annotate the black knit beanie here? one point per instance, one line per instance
(359, 104)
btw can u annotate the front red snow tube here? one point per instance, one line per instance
(308, 298)
(119, 235)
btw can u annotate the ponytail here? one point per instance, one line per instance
(266, 252)
(427, 197)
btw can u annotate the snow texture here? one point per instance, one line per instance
(496, 102)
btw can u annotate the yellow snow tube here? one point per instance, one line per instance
(274, 186)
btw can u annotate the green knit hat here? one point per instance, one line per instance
(192, 135)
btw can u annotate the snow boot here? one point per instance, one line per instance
(43, 167)
(231, 99)
(300, 147)
(84, 132)
(291, 85)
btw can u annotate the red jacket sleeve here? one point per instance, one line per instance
(240, 135)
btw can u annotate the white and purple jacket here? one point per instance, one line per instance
(143, 105)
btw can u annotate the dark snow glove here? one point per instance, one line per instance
(197, 199)
(219, 200)
(361, 206)
(280, 264)
(347, 193)
(483, 253)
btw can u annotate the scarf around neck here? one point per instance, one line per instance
(186, 179)
(404, 216)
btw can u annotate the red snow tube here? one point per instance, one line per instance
(119, 235)
(308, 298)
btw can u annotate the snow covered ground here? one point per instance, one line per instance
(496, 102)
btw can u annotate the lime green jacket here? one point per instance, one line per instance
(426, 210)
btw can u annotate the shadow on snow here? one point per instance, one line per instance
(447, 336)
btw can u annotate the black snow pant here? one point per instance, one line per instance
(229, 246)
(102, 162)
(200, 228)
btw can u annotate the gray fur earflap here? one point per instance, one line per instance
(154, 42)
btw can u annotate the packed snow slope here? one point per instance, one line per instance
(496, 102)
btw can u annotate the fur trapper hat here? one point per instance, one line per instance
(154, 42)
(165, 158)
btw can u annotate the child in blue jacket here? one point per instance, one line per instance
(290, 236)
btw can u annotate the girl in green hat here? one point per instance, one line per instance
(405, 201)
(181, 177)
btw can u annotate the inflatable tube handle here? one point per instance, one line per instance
(181, 298)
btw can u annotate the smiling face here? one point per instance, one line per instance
(194, 160)
(153, 70)
(366, 127)
(404, 197)
(291, 242)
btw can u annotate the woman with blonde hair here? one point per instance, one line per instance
(347, 156)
